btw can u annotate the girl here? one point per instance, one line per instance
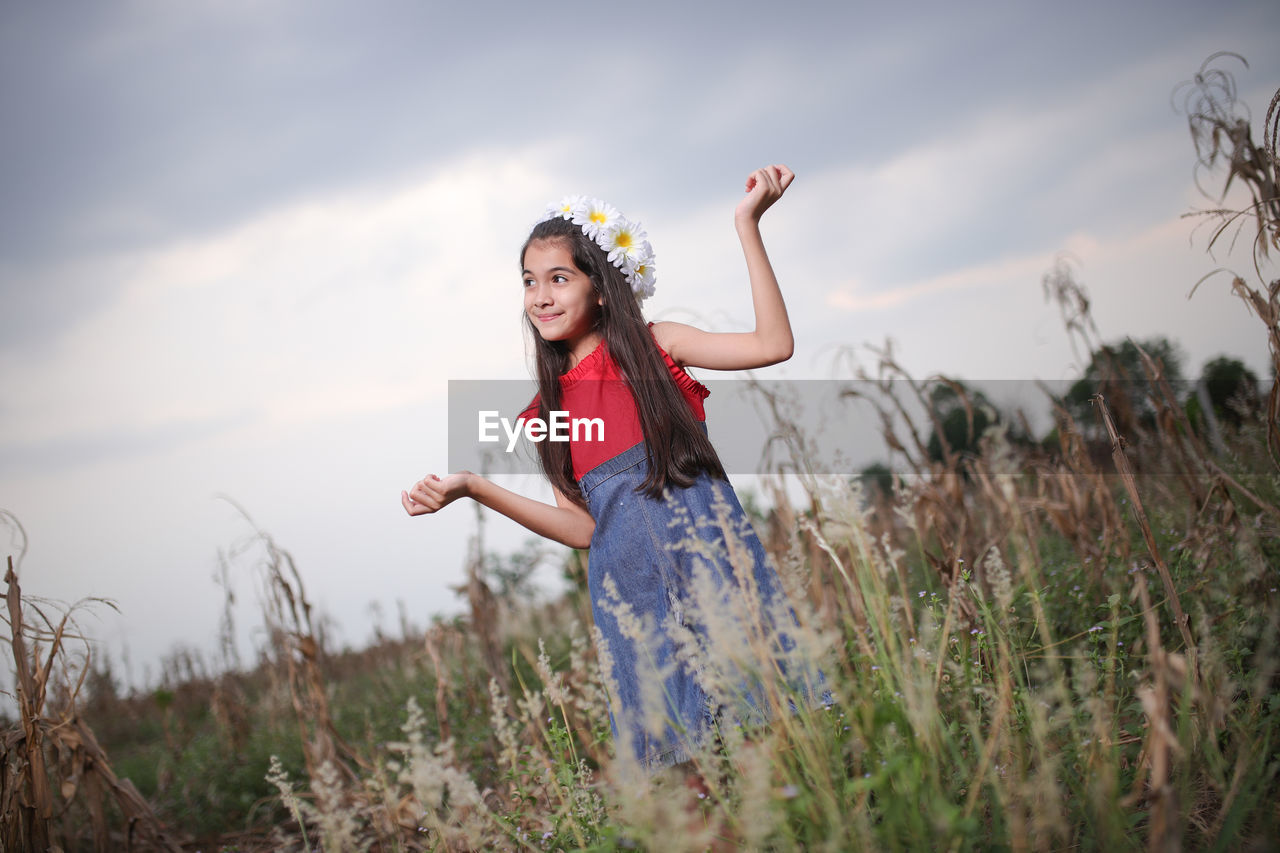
(647, 495)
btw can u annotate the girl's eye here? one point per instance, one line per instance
(528, 282)
(559, 279)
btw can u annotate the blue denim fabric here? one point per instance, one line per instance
(646, 558)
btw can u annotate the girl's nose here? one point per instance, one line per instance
(541, 294)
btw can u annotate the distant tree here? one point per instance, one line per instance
(1116, 372)
(877, 479)
(1232, 389)
(965, 414)
(513, 573)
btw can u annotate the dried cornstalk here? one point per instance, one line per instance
(144, 828)
(484, 607)
(26, 794)
(1131, 487)
(32, 823)
(287, 614)
(1222, 136)
(442, 684)
(1161, 745)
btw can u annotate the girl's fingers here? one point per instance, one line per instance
(775, 179)
(777, 176)
(759, 182)
(426, 496)
(423, 492)
(409, 505)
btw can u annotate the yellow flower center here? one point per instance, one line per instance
(624, 240)
(597, 217)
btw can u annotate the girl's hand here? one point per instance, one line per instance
(565, 522)
(764, 187)
(432, 493)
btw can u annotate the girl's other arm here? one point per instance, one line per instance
(566, 522)
(771, 342)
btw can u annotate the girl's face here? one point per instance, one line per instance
(559, 298)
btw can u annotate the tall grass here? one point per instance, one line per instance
(992, 689)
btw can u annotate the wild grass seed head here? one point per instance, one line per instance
(279, 778)
(502, 728)
(337, 811)
(552, 682)
(999, 579)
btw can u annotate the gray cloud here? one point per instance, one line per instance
(135, 127)
(55, 455)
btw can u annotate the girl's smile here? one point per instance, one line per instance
(559, 298)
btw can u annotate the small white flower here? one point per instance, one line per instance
(562, 209)
(643, 289)
(565, 208)
(643, 274)
(595, 216)
(624, 241)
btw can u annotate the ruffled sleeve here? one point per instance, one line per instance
(686, 383)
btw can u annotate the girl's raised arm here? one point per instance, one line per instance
(771, 341)
(566, 522)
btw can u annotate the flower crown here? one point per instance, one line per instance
(623, 240)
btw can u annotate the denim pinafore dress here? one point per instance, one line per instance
(686, 604)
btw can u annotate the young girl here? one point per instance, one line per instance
(647, 494)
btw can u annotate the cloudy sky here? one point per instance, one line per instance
(243, 246)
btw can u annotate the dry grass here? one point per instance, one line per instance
(51, 744)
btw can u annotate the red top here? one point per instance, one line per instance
(595, 395)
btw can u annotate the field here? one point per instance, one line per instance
(1024, 642)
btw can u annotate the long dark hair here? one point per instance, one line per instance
(678, 446)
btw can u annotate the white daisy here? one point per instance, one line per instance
(594, 216)
(625, 243)
(643, 274)
(565, 208)
(642, 283)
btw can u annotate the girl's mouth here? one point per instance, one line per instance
(547, 318)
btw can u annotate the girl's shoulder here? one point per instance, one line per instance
(671, 338)
(663, 333)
